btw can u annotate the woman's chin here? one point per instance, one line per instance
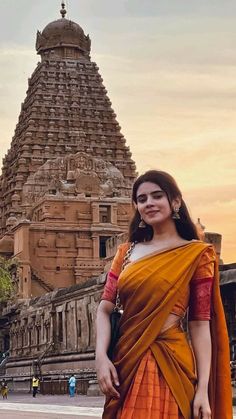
(156, 221)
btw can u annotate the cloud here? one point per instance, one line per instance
(184, 8)
(218, 195)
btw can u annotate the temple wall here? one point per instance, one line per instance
(54, 334)
(55, 254)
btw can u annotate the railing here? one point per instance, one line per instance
(36, 364)
(60, 386)
(3, 360)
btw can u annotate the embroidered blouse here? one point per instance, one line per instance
(197, 297)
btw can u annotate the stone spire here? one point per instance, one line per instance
(63, 9)
(66, 111)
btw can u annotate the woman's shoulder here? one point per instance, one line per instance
(208, 249)
(202, 243)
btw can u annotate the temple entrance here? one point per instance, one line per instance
(6, 343)
(102, 246)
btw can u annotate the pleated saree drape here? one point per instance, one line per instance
(149, 288)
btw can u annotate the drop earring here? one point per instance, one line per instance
(175, 215)
(142, 224)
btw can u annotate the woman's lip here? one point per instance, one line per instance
(152, 212)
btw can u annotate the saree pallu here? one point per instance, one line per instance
(149, 288)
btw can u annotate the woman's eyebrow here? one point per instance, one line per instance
(144, 194)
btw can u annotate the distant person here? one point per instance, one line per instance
(35, 385)
(4, 389)
(72, 385)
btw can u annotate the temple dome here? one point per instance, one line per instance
(63, 33)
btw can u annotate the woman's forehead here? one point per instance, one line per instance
(148, 187)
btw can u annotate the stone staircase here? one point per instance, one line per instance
(36, 277)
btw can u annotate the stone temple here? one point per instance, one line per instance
(64, 200)
(64, 207)
(65, 183)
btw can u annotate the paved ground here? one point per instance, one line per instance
(60, 400)
(52, 407)
(6, 414)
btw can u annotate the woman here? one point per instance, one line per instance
(162, 271)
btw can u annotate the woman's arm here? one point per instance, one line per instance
(103, 325)
(201, 343)
(106, 372)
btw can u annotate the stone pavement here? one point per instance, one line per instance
(6, 414)
(60, 400)
(19, 406)
(51, 407)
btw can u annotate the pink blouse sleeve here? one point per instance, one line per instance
(201, 287)
(110, 289)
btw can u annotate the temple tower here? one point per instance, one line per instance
(66, 180)
(66, 110)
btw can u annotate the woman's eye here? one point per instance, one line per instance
(158, 196)
(141, 199)
(154, 195)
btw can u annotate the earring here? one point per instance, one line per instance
(142, 224)
(175, 215)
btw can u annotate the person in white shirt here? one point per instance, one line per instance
(72, 385)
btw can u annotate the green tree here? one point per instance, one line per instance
(6, 285)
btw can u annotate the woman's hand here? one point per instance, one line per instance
(107, 377)
(201, 406)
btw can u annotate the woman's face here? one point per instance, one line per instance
(153, 205)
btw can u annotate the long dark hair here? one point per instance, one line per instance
(184, 226)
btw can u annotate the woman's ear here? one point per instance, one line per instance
(176, 203)
(135, 205)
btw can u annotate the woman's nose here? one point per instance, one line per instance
(149, 201)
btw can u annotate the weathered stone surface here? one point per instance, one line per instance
(66, 111)
(64, 191)
(66, 180)
(54, 334)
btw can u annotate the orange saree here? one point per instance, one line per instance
(149, 289)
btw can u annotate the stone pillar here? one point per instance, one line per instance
(95, 213)
(30, 336)
(53, 326)
(42, 336)
(22, 253)
(95, 240)
(114, 210)
(64, 322)
(91, 310)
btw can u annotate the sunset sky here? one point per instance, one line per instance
(170, 71)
